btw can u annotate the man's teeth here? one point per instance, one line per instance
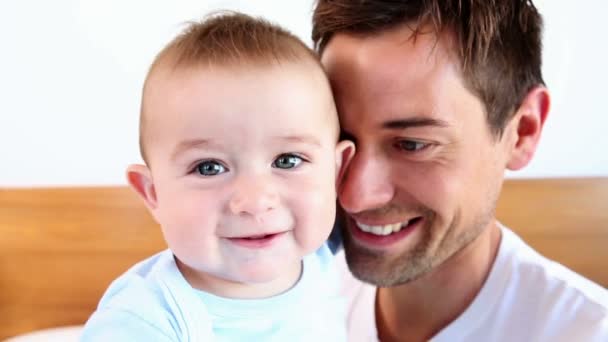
(382, 230)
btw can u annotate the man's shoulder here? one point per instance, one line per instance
(550, 281)
(544, 298)
(528, 297)
(558, 302)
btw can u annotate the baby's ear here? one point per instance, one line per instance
(345, 150)
(140, 180)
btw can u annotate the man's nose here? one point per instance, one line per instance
(253, 195)
(367, 184)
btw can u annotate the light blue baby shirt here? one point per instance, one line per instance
(153, 302)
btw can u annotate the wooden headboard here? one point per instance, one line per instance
(60, 248)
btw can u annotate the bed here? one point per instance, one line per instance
(61, 247)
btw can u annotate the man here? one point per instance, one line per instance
(440, 97)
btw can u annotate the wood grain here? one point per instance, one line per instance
(564, 219)
(60, 248)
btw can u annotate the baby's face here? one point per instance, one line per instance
(243, 161)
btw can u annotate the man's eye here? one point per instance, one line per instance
(411, 145)
(210, 168)
(287, 161)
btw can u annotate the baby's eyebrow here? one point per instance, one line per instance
(186, 145)
(306, 139)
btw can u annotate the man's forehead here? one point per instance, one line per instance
(392, 78)
(424, 46)
(385, 71)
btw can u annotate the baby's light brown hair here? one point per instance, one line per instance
(226, 39)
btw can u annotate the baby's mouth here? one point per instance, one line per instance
(259, 237)
(258, 240)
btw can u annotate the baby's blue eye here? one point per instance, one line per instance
(287, 161)
(210, 168)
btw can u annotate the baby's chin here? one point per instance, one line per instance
(259, 273)
(262, 280)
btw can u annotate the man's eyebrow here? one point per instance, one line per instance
(186, 145)
(414, 122)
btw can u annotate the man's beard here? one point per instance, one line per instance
(384, 270)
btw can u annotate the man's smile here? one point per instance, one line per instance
(380, 235)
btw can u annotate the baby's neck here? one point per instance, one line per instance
(240, 290)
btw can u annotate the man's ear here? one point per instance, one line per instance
(345, 150)
(527, 127)
(140, 180)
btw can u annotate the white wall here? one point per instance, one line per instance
(71, 74)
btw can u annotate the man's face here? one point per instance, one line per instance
(427, 171)
(243, 162)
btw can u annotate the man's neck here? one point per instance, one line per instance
(418, 310)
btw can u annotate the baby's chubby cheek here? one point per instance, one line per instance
(314, 217)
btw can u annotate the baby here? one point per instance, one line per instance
(239, 134)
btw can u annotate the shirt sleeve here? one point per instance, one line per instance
(122, 326)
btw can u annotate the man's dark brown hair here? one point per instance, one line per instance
(498, 41)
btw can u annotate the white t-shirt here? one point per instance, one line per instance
(525, 298)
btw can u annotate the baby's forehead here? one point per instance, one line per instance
(292, 79)
(295, 87)
(169, 69)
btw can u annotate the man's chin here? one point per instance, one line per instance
(378, 268)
